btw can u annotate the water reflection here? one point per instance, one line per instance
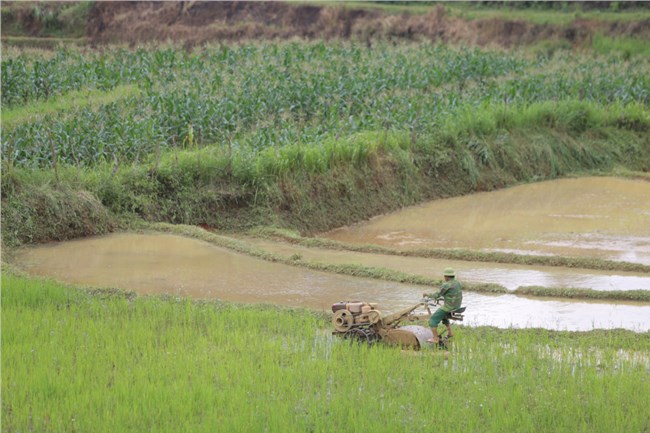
(598, 217)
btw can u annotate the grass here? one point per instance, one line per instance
(46, 43)
(65, 20)
(452, 254)
(329, 184)
(561, 14)
(325, 97)
(212, 136)
(573, 293)
(233, 146)
(74, 361)
(626, 48)
(414, 8)
(64, 104)
(543, 14)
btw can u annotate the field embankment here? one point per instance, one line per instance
(451, 253)
(196, 23)
(361, 177)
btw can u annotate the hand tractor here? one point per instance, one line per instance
(362, 322)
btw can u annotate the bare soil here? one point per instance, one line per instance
(196, 22)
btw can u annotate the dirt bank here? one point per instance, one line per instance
(200, 22)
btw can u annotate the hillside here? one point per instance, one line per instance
(196, 22)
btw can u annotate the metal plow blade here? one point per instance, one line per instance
(421, 333)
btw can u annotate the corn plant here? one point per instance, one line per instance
(272, 95)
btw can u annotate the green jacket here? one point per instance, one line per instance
(452, 292)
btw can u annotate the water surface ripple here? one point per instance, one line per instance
(598, 217)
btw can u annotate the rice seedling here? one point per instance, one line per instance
(74, 360)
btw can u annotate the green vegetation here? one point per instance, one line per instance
(214, 137)
(35, 42)
(628, 295)
(66, 20)
(623, 47)
(399, 7)
(304, 136)
(73, 360)
(59, 106)
(28, 78)
(233, 96)
(301, 135)
(558, 12)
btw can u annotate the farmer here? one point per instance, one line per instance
(452, 292)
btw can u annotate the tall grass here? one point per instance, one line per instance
(76, 361)
(625, 48)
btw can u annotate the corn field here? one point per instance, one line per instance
(271, 95)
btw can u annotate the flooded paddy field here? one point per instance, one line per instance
(511, 276)
(176, 265)
(597, 217)
(606, 218)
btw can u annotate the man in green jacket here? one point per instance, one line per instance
(452, 292)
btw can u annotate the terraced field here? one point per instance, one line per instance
(155, 195)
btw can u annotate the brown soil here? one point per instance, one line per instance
(195, 22)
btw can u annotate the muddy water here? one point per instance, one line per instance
(507, 275)
(598, 217)
(156, 263)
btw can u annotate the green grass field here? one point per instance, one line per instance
(75, 360)
(539, 13)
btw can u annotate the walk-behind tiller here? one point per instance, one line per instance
(362, 322)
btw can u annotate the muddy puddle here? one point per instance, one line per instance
(160, 263)
(598, 217)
